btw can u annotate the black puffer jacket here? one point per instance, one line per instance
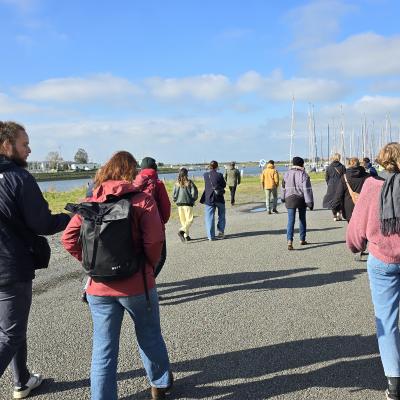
(21, 202)
(356, 177)
(332, 177)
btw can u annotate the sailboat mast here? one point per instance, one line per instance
(292, 127)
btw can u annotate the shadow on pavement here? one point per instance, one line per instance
(199, 288)
(342, 369)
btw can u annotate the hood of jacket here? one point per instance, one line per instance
(271, 166)
(6, 163)
(148, 172)
(356, 172)
(336, 164)
(113, 188)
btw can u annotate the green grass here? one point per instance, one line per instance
(249, 191)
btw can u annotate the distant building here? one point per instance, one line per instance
(84, 167)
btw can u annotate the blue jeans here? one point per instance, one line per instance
(107, 314)
(384, 280)
(209, 216)
(292, 219)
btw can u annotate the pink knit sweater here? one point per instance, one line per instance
(365, 226)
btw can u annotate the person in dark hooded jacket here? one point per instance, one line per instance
(332, 177)
(23, 213)
(356, 176)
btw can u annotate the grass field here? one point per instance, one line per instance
(249, 191)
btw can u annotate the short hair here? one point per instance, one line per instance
(366, 160)
(389, 157)
(9, 130)
(354, 162)
(121, 166)
(214, 164)
(271, 162)
(335, 157)
(233, 163)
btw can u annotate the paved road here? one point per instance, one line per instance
(243, 318)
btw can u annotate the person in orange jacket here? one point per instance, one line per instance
(270, 183)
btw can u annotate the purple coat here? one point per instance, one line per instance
(296, 189)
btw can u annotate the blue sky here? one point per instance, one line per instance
(190, 81)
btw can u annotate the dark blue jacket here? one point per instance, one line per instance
(22, 202)
(218, 181)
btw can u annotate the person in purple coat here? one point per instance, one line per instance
(297, 194)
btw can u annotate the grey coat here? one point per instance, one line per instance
(185, 195)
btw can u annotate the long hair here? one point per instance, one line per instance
(389, 157)
(183, 179)
(120, 167)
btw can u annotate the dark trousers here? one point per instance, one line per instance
(233, 192)
(15, 304)
(161, 262)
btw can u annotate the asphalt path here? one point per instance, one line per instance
(243, 317)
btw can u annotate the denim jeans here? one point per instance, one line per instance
(15, 304)
(292, 220)
(107, 314)
(268, 194)
(209, 216)
(384, 280)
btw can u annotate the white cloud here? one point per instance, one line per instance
(317, 22)
(101, 87)
(377, 105)
(362, 55)
(203, 87)
(10, 107)
(275, 87)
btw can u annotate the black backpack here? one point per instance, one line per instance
(106, 239)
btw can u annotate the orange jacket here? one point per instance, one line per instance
(269, 177)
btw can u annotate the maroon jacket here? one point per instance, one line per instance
(147, 235)
(148, 182)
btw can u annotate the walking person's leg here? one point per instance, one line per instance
(107, 315)
(209, 218)
(290, 227)
(303, 225)
(182, 219)
(221, 219)
(149, 337)
(189, 220)
(268, 196)
(232, 189)
(385, 292)
(274, 199)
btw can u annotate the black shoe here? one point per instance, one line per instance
(84, 298)
(275, 211)
(181, 235)
(393, 390)
(188, 238)
(269, 212)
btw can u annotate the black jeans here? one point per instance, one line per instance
(15, 304)
(161, 262)
(233, 192)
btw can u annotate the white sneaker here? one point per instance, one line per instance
(34, 381)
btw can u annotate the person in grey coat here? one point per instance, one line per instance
(297, 194)
(185, 194)
(232, 178)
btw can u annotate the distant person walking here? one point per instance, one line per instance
(213, 199)
(352, 179)
(369, 168)
(333, 174)
(297, 194)
(147, 180)
(185, 194)
(375, 221)
(270, 184)
(24, 214)
(109, 299)
(232, 178)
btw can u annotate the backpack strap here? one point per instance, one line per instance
(351, 191)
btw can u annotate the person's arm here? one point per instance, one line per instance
(152, 230)
(276, 178)
(221, 181)
(70, 237)
(175, 193)
(327, 175)
(193, 191)
(283, 192)
(163, 202)
(226, 175)
(239, 177)
(35, 209)
(308, 193)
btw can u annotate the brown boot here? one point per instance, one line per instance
(290, 245)
(160, 393)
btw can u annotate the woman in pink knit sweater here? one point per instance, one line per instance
(376, 221)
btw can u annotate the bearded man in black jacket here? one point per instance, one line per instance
(23, 213)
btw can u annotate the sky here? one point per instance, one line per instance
(191, 81)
